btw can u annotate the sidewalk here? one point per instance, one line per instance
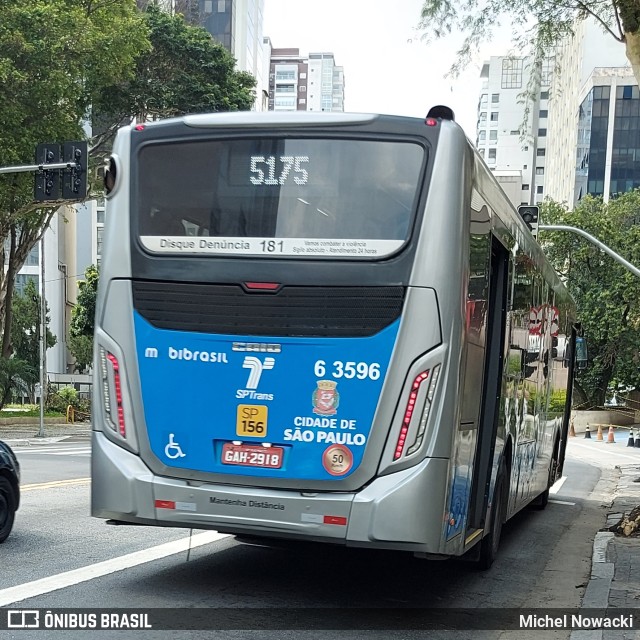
(25, 434)
(615, 570)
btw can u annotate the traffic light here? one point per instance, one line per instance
(529, 213)
(74, 180)
(47, 182)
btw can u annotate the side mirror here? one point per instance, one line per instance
(581, 353)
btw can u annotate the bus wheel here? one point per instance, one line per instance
(543, 499)
(491, 542)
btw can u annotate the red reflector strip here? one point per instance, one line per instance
(334, 520)
(118, 386)
(165, 504)
(408, 413)
(139, 127)
(269, 286)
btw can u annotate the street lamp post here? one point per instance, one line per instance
(595, 241)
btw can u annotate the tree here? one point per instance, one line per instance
(607, 295)
(55, 58)
(26, 330)
(64, 63)
(83, 319)
(185, 71)
(15, 374)
(538, 25)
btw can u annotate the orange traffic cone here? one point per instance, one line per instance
(572, 430)
(599, 435)
(611, 437)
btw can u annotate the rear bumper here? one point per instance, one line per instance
(403, 510)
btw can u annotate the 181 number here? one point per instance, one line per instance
(360, 370)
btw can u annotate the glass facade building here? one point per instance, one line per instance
(608, 150)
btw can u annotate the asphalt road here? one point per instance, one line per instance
(544, 561)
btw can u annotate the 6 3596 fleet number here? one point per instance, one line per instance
(348, 370)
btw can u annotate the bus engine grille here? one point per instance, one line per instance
(292, 311)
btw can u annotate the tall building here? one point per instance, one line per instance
(506, 148)
(326, 83)
(595, 119)
(299, 83)
(238, 26)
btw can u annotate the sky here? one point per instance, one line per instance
(388, 68)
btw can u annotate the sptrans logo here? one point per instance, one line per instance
(256, 367)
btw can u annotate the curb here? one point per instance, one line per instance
(596, 595)
(27, 442)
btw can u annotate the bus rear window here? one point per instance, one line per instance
(277, 196)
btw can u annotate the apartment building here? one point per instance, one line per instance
(512, 125)
(305, 83)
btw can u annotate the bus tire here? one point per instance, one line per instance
(7, 508)
(543, 499)
(491, 542)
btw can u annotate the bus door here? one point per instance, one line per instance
(491, 392)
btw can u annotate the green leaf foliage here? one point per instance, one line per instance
(56, 56)
(25, 328)
(606, 293)
(83, 314)
(83, 319)
(15, 374)
(537, 25)
(186, 71)
(81, 348)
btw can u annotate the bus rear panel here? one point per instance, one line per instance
(279, 337)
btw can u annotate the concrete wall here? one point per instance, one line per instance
(580, 420)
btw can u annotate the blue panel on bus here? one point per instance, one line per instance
(295, 408)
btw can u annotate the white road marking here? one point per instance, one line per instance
(605, 451)
(84, 574)
(571, 504)
(558, 485)
(77, 452)
(58, 450)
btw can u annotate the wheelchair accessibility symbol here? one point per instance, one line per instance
(173, 449)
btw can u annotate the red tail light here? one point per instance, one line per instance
(111, 381)
(408, 413)
(432, 378)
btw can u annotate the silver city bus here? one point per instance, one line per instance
(327, 327)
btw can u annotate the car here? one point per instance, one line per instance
(9, 489)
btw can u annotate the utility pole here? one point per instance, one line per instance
(43, 337)
(58, 169)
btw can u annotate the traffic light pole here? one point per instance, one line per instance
(603, 247)
(26, 168)
(60, 171)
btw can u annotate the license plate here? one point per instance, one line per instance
(247, 455)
